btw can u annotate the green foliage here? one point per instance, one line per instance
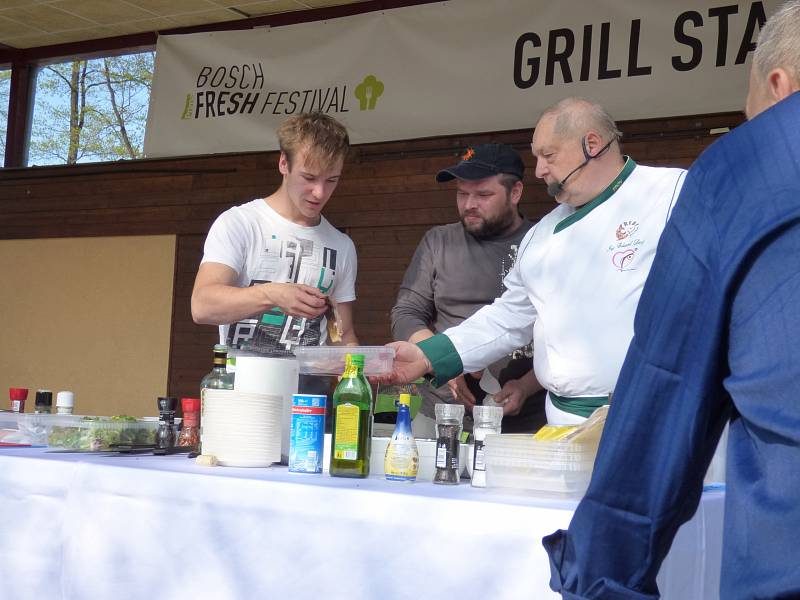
(91, 110)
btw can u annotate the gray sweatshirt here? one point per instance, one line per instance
(451, 276)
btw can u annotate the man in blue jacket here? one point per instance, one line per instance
(716, 339)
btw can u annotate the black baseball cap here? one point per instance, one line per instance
(485, 160)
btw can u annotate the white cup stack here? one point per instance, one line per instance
(242, 429)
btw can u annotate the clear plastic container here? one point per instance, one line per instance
(9, 420)
(552, 467)
(543, 452)
(329, 360)
(77, 432)
(565, 484)
(10, 434)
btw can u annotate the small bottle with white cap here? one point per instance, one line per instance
(488, 419)
(65, 401)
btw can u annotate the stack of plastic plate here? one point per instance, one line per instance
(561, 468)
(241, 429)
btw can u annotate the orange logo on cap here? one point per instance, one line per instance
(468, 154)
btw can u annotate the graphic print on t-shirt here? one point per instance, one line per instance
(294, 260)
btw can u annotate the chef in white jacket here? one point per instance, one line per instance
(579, 271)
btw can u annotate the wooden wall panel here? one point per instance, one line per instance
(386, 201)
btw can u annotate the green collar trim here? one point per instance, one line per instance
(582, 406)
(444, 358)
(612, 187)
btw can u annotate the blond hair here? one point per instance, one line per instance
(323, 139)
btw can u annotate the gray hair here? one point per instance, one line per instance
(779, 43)
(574, 116)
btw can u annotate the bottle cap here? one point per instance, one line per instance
(355, 359)
(449, 411)
(44, 398)
(190, 405)
(65, 399)
(18, 393)
(405, 399)
(490, 416)
(167, 403)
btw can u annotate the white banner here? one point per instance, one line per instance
(459, 66)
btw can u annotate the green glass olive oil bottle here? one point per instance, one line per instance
(352, 421)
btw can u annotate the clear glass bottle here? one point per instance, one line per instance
(351, 430)
(449, 421)
(218, 378)
(488, 419)
(44, 402)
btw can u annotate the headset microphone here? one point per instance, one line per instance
(555, 188)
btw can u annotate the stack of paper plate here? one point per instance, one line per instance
(242, 429)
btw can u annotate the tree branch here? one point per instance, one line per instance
(123, 133)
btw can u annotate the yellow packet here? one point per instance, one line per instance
(554, 432)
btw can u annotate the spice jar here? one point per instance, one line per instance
(488, 419)
(44, 402)
(17, 397)
(449, 419)
(165, 436)
(65, 402)
(190, 431)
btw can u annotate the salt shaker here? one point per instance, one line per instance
(65, 402)
(449, 418)
(488, 419)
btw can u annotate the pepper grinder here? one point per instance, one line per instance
(44, 402)
(165, 437)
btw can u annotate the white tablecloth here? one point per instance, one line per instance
(77, 526)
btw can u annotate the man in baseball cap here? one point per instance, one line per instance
(459, 268)
(483, 161)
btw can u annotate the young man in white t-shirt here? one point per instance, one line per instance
(269, 264)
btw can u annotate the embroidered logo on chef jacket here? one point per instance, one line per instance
(623, 251)
(623, 259)
(627, 228)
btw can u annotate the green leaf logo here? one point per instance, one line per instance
(368, 92)
(188, 107)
